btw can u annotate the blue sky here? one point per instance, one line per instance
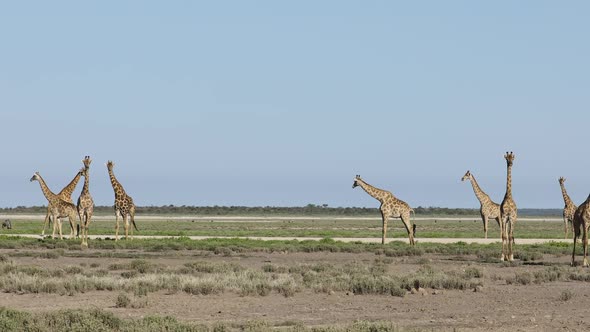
(282, 103)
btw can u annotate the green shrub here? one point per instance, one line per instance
(523, 278)
(566, 295)
(123, 301)
(473, 272)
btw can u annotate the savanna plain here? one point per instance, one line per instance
(232, 283)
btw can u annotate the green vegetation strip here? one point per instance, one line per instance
(321, 227)
(230, 246)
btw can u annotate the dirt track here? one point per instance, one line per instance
(342, 239)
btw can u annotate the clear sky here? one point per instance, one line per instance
(281, 103)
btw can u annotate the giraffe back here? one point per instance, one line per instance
(395, 207)
(490, 209)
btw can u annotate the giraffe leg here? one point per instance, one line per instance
(408, 224)
(72, 226)
(82, 229)
(565, 226)
(116, 226)
(87, 226)
(126, 225)
(58, 222)
(574, 252)
(484, 218)
(384, 228)
(585, 245)
(576, 233)
(45, 223)
(511, 239)
(504, 236)
(54, 228)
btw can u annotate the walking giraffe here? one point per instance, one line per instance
(390, 207)
(569, 209)
(124, 206)
(85, 202)
(488, 209)
(58, 207)
(508, 213)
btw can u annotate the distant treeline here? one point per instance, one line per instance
(308, 210)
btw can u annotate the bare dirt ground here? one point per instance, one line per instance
(341, 239)
(497, 306)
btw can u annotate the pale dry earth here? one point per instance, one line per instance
(341, 239)
(495, 307)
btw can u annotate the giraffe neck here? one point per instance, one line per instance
(117, 187)
(86, 188)
(46, 191)
(376, 193)
(509, 182)
(69, 189)
(566, 197)
(481, 196)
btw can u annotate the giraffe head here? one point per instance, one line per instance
(86, 161)
(35, 177)
(561, 180)
(83, 171)
(509, 158)
(356, 181)
(467, 176)
(110, 165)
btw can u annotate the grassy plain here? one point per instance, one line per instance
(235, 284)
(432, 227)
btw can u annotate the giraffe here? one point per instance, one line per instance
(488, 209)
(581, 224)
(569, 209)
(59, 208)
(508, 213)
(390, 207)
(85, 203)
(124, 206)
(66, 195)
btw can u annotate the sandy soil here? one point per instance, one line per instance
(495, 307)
(342, 239)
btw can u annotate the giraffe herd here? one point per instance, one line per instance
(505, 213)
(61, 206)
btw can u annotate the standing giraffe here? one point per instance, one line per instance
(390, 207)
(508, 213)
(66, 195)
(569, 209)
(581, 224)
(58, 207)
(85, 202)
(124, 206)
(488, 208)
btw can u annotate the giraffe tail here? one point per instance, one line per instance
(133, 222)
(413, 223)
